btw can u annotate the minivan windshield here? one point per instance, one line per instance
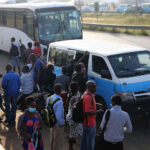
(56, 25)
(131, 64)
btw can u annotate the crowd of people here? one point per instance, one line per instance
(67, 89)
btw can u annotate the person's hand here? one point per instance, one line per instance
(99, 106)
(28, 135)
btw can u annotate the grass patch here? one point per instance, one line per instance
(117, 30)
(117, 18)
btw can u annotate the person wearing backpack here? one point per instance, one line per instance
(29, 127)
(56, 132)
(14, 54)
(75, 128)
(89, 123)
(118, 123)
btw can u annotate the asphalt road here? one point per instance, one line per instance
(142, 41)
(137, 140)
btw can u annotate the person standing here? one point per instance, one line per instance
(37, 50)
(27, 87)
(57, 135)
(29, 127)
(11, 84)
(37, 69)
(89, 123)
(118, 123)
(64, 80)
(28, 52)
(14, 54)
(79, 77)
(75, 128)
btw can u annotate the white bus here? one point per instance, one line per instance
(43, 22)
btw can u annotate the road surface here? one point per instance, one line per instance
(142, 41)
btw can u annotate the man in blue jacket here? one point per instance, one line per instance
(11, 84)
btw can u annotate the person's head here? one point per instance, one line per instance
(31, 104)
(37, 44)
(57, 89)
(116, 100)
(64, 70)
(78, 68)
(13, 39)
(50, 67)
(30, 45)
(8, 68)
(91, 86)
(25, 69)
(74, 87)
(32, 58)
(82, 66)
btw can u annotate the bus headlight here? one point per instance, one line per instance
(127, 96)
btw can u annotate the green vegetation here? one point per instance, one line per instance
(118, 19)
(115, 18)
(113, 30)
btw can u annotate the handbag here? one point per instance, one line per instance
(99, 139)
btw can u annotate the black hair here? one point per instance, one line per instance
(8, 67)
(25, 69)
(116, 100)
(29, 100)
(37, 44)
(13, 39)
(64, 70)
(57, 88)
(29, 44)
(50, 67)
(78, 68)
(74, 87)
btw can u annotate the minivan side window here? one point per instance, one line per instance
(58, 58)
(98, 64)
(52, 55)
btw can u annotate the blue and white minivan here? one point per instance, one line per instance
(115, 67)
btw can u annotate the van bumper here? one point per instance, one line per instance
(137, 108)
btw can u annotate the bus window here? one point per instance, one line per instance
(52, 55)
(1, 18)
(29, 26)
(20, 20)
(10, 17)
(58, 58)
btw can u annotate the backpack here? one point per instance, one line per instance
(14, 51)
(48, 114)
(77, 111)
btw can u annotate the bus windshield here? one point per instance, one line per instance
(58, 25)
(131, 64)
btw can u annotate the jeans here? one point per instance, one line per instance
(88, 138)
(11, 107)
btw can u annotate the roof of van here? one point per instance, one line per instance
(97, 47)
(34, 6)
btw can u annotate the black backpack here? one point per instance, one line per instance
(77, 111)
(14, 51)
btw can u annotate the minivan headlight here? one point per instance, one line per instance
(127, 96)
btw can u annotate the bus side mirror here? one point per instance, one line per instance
(106, 74)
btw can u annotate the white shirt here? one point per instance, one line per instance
(118, 123)
(58, 109)
(27, 83)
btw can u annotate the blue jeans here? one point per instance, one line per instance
(88, 138)
(11, 107)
